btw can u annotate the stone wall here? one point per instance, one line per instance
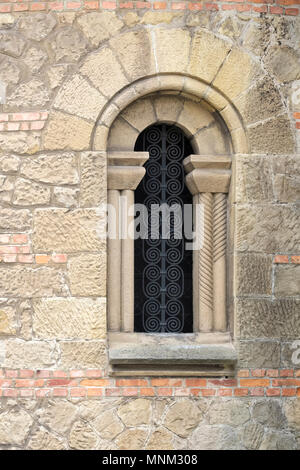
(68, 75)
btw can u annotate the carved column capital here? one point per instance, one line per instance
(125, 169)
(207, 174)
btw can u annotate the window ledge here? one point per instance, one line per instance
(199, 354)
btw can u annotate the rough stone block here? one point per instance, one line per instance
(172, 48)
(259, 354)
(58, 168)
(67, 132)
(30, 193)
(15, 220)
(87, 274)
(89, 354)
(21, 354)
(93, 179)
(253, 274)
(287, 280)
(274, 136)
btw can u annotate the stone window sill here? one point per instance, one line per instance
(195, 354)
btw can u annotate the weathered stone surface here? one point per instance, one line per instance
(92, 409)
(29, 193)
(78, 97)
(260, 354)
(287, 280)
(41, 439)
(182, 418)
(269, 413)
(283, 62)
(261, 101)
(58, 415)
(56, 75)
(268, 229)
(58, 168)
(231, 27)
(287, 188)
(93, 179)
(194, 117)
(108, 425)
(104, 71)
(69, 45)
(252, 435)
(11, 43)
(9, 163)
(132, 439)
(99, 26)
(257, 36)
(214, 438)
(67, 132)
(37, 26)
(122, 136)
(27, 281)
(231, 83)
(82, 436)
(7, 185)
(253, 179)
(254, 274)
(8, 322)
(32, 94)
(20, 142)
(264, 318)
(172, 49)
(14, 427)
(10, 72)
(69, 318)
(135, 412)
(7, 21)
(134, 50)
(292, 413)
(89, 354)
(274, 440)
(290, 352)
(160, 439)
(140, 114)
(207, 55)
(35, 58)
(14, 220)
(87, 274)
(65, 197)
(29, 354)
(71, 231)
(231, 413)
(159, 17)
(272, 136)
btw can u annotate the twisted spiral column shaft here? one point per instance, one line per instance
(206, 265)
(219, 261)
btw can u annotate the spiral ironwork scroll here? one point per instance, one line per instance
(161, 274)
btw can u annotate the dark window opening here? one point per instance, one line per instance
(163, 292)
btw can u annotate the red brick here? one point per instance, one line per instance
(195, 6)
(73, 5)
(257, 392)
(56, 6)
(125, 5)
(78, 392)
(60, 374)
(44, 373)
(297, 373)
(113, 392)
(59, 258)
(178, 6)
(165, 392)
(223, 382)
(292, 11)
(94, 373)
(45, 392)
(26, 393)
(295, 259)
(289, 392)
(297, 125)
(10, 393)
(211, 6)
(76, 373)
(273, 392)
(5, 8)
(109, 5)
(9, 258)
(3, 117)
(4, 238)
(37, 125)
(91, 5)
(60, 382)
(181, 392)
(195, 391)
(243, 373)
(166, 382)
(196, 382)
(11, 373)
(25, 258)
(131, 383)
(129, 391)
(225, 392)
(39, 383)
(142, 5)
(287, 373)
(254, 382)
(147, 392)
(241, 392)
(42, 259)
(5, 383)
(60, 392)
(94, 392)
(272, 373)
(26, 373)
(263, 9)
(24, 383)
(159, 5)
(258, 373)
(19, 238)
(38, 6)
(281, 259)
(20, 7)
(95, 383)
(8, 249)
(208, 392)
(298, 392)
(286, 382)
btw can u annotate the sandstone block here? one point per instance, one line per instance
(29, 193)
(214, 438)
(269, 413)
(89, 354)
(160, 439)
(71, 231)
(108, 425)
(68, 45)
(253, 179)
(9, 163)
(272, 137)
(29, 354)
(283, 62)
(42, 439)
(182, 418)
(87, 274)
(260, 354)
(11, 43)
(82, 436)
(37, 26)
(10, 72)
(15, 220)
(254, 274)
(20, 142)
(35, 58)
(14, 427)
(172, 48)
(231, 412)
(67, 132)
(287, 280)
(99, 26)
(65, 197)
(60, 168)
(69, 318)
(32, 94)
(58, 415)
(132, 439)
(135, 412)
(93, 179)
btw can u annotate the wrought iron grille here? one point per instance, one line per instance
(163, 266)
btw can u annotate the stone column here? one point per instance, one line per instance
(125, 171)
(208, 180)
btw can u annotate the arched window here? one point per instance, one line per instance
(163, 285)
